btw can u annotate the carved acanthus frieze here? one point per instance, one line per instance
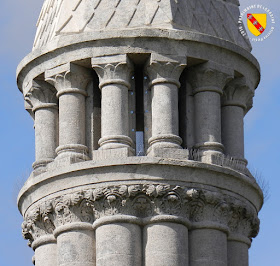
(142, 201)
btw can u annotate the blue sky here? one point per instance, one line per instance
(262, 126)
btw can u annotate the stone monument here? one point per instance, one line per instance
(138, 108)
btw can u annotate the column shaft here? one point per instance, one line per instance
(236, 101)
(165, 109)
(71, 119)
(237, 253)
(46, 255)
(208, 247)
(114, 112)
(76, 248)
(233, 131)
(164, 82)
(45, 251)
(208, 81)
(208, 117)
(166, 244)
(71, 81)
(46, 133)
(114, 74)
(118, 244)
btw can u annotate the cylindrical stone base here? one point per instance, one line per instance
(237, 253)
(76, 245)
(118, 244)
(166, 244)
(45, 251)
(208, 247)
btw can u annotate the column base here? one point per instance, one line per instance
(40, 166)
(103, 154)
(72, 153)
(172, 153)
(167, 146)
(115, 142)
(210, 151)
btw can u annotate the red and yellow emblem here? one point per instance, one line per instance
(256, 23)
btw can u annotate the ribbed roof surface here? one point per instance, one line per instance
(213, 17)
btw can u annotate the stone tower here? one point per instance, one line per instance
(138, 108)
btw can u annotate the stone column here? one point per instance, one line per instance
(164, 77)
(118, 241)
(238, 247)
(45, 251)
(114, 81)
(75, 245)
(236, 98)
(166, 244)
(208, 81)
(42, 98)
(71, 80)
(208, 247)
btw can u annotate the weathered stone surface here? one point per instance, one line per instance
(179, 75)
(213, 17)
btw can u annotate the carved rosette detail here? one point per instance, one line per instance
(142, 201)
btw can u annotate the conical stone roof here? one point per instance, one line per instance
(217, 18)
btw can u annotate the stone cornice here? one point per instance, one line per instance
(28, 67)
(197, 208)
(86, 172)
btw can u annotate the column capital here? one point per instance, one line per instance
(115, 69)
(161, 69)
(209, 77)
(69, 78)
(238, 92)
(41, 95)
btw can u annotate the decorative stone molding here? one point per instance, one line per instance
(165, 70)
(69, 78)
(209, 77)
(198, 207)
(41, 95)
(238, 93)
(115, 69)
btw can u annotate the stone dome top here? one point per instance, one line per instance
(63, 17)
